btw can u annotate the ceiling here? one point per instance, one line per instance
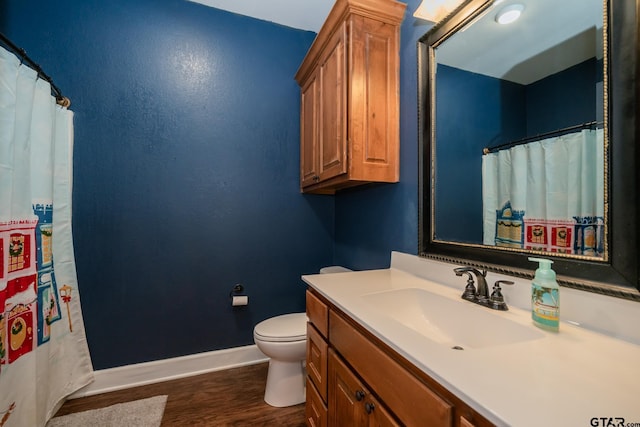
(549, 37)
(302, 14)
(523, 52)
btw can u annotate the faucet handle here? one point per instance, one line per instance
(502, 282)
(497, 300)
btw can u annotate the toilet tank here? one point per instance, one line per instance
(334, 269)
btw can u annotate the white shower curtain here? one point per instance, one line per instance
(43, 350)
(546, 195)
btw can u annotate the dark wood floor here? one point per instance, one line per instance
(232, 397)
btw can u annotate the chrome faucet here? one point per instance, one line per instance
(481, 294)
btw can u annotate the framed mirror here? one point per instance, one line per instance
(529, 139)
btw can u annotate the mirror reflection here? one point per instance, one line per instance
(519, 152)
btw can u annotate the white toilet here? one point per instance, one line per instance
(284, 340)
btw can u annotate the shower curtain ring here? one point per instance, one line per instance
(63, 101)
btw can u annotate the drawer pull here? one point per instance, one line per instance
(369, 407)
(359, 395)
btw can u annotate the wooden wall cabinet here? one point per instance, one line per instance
(354, 379)
(349, 80)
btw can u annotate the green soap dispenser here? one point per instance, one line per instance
(545, 296)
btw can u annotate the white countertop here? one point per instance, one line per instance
(565, 378)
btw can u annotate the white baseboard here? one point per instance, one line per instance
(123, 377)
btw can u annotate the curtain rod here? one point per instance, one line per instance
(558, 132)
(60, 99)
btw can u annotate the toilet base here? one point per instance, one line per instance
(285, 383)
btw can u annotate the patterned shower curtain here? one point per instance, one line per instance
(547, 195)
(43, 349)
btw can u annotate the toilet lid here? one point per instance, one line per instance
(287, 327)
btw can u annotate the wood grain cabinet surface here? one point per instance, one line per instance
(355, 379)
(349, 81)
(317, 351)
(351, 403)
(315, 410)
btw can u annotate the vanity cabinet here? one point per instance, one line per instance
(355, 379)
(349, 80)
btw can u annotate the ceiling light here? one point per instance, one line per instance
(509, 14)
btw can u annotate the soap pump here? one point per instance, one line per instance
(545, 302)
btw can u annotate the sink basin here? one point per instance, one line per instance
(458, 324)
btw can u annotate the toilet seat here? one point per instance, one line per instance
(284, 328)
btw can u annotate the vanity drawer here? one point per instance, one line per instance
(318, 313)
(412, 401)
(315, 411)
(317, 350)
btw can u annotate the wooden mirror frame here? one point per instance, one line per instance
(618, 276)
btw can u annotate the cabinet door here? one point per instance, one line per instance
(373, 111)
(378, 415)
(333, 99)
(346, 395)
(317, 360)
(309, 133)
(350, 403)
(315, 411)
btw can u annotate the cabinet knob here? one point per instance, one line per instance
(369, 407)
(359, 395)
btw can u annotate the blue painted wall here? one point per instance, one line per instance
(186, 169)
(474, 112)
(375, 220)
(564, 99)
